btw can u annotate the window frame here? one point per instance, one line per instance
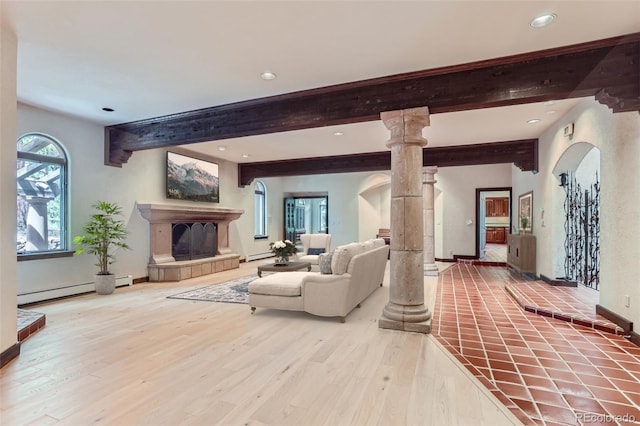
(63, 162)
(260, 192)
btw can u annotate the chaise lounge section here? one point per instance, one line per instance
(357, 270)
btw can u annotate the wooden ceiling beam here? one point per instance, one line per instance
(523, 153)
(607, 69)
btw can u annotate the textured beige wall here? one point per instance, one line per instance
(618, 138)
(8, 315)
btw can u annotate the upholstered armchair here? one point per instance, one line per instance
(312, 246)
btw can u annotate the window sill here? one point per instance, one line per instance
(45, 255)
(260, 237)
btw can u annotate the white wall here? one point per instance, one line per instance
(618, 138)
(8, 311)
(140, 180)
(343, 190)
(458, 185)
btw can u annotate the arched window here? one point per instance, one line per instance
(260, 216)
(41, 195)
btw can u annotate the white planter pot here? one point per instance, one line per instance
(105, 284)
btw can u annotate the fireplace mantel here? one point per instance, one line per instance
(171, 213)
(162, 216)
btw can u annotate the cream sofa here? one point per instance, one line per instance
(357, 271)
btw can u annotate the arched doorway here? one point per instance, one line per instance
(577, 213)
(374, 202)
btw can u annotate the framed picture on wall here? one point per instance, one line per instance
(525, 211)
(193, 179)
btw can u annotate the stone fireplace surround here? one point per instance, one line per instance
(162, 266)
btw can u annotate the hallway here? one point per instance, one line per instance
(494, 253)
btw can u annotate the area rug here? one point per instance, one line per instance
(233, 291)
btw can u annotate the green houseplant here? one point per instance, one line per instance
(524, 222)
(104, 233)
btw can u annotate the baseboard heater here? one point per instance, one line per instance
(258, 256)
(70, 290)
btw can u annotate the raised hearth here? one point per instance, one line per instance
(162, 218)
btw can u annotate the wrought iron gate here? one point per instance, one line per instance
(582, 231)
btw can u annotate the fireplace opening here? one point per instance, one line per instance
(191, 241)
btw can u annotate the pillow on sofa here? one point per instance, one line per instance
(324, 261)
(368, 245)
(313, 250)
(342, 256)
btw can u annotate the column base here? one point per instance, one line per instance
(423, 327)
(431, 270)
(412, 318)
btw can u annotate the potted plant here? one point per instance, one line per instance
(104, 233)
(282, 250)
(524, 222)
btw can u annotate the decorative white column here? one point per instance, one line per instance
(428, 180)
(37, 224)
(406, 310)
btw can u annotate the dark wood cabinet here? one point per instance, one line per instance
(497, 207)
(496, 235)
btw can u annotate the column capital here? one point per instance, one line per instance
(406, 125)
(427, 174)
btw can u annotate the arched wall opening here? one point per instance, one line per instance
(575, 216)
(374, 202)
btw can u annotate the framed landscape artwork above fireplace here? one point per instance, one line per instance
(193, 179)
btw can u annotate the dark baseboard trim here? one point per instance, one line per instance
(624, 323)
(9, 354)
(463, 256)
(529, 276)
(140, 280)
(558, 283)
(634, 338)
(445, 260)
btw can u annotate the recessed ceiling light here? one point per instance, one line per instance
(107, 109)
(338, 134)
(533, 121)
(551, 111)
(268, 75)
(222, 148)
(550, 102)
(542, 20)
(245, 155)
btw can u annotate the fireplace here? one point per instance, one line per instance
(188, 241)
(191, 241)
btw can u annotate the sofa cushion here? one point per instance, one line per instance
(315, 250)
(378, 242)
(368, 245)
(278, 284)
(324, 261)
(342, 256)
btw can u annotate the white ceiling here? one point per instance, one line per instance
(151, 58)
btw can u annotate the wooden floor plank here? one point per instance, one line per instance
(136, 357)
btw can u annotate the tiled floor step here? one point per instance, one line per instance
(570, 304)
(29, 322)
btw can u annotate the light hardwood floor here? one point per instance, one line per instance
(136, 357)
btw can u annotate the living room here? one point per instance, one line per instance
(143, 180)
(358, 206)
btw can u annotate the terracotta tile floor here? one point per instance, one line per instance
(546, 371)
(573, 304)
